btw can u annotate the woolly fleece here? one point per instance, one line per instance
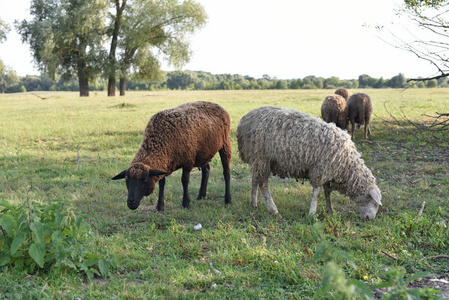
(335, 110)
(185, 137)
(289, 143)
(360, 109)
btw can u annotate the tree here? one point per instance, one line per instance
(398, 81)
(8, 77)
(65, 37)
(432, 83)
(151, 30)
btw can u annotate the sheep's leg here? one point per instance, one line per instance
(369, 130)
(366, 131)
(160, 199)
(254, 185)
(185, 185)
(265, 189)
(352, 129)
(327, 196)
(314, 203)
(204, 178)
(225, 156)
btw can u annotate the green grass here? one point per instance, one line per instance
(66, 147)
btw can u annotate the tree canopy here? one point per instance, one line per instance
(154, 30)
(65, 37)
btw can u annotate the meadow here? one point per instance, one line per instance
(60, 148)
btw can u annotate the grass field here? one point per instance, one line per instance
(66, 148)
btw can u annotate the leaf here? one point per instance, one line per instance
(4, 259)
(90, 262)
(38, 230)
(8, 224)
(17, 242)
(37, 252)
(104, 265)
(6, 204)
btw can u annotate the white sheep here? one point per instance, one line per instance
(289, 143)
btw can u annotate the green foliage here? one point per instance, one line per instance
(416, 4)
(335, 284)
(65, 38)
(4, 29)
(152, 27)
(397, 280)
(37, 237)
(8, 79)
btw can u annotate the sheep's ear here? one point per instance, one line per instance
(120, 175)
(156, 173)
(375, 194)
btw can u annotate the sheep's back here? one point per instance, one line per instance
(191, 133)
(360, 108)
(335, 110)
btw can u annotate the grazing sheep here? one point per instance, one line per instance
(360, 109)
(184, 137)
(289, 143)
(343, 92)
(334, 110)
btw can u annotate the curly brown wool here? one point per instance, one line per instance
(343, 92)
(360, 109)
(186, 137)
(335, 110)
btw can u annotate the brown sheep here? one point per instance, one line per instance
(343, 92)
(334, 110)
(360, 109)
(184, 137)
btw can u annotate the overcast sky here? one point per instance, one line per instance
(282, 38)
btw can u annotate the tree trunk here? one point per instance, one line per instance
(112, 60)
(84, 86)
(122, 86)
(83, 77)
(111, 87)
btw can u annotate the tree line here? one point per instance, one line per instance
(199, 80)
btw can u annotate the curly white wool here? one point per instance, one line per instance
(289, 143)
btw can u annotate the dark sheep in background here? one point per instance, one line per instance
(184, 137)
(343, 92)
(360, 109)
(335, 110)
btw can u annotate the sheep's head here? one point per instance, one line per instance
(140, 181)
(369, 204)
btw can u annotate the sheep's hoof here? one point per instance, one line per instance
(278, 216)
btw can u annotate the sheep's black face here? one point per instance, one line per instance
(137, 188)
(139, 183)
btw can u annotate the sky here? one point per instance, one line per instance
(285, 39)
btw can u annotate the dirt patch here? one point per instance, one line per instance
(441, 284)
